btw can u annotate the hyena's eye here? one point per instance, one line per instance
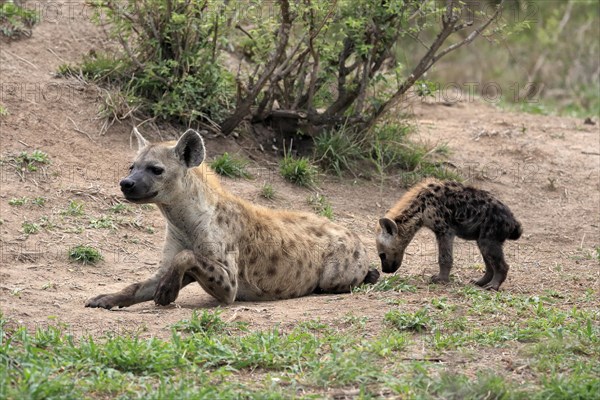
(156, 170)
(131, 167)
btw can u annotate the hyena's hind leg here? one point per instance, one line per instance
(345, 270)
(214, 277)
(489, 269)
(495, 265)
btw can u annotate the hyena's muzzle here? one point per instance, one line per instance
(137, 186)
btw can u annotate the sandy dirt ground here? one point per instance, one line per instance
(545, 168)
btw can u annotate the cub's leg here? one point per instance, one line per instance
(489, 269)
(445, 241)
(217, 278)
(493, 254)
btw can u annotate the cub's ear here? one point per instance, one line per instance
(389, 226)
(142, 142)
(190, 148)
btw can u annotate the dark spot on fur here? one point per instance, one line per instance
(356, 254)
(272, 271)
(211, 279)
(298, 274)
(220, 219)
(210, 268)
(278, 292)
(274, 258)
(289, 219)
(256, 273)
(346, 265)
(354, 282)
(227, 288)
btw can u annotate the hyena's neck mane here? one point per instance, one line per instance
(195, 197)
(408, 211)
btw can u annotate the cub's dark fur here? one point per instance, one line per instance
(449, 209)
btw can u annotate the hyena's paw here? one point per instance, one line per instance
(372, 276)
(107, 301)
(166, 292)
(440, 279)
(491, 286)
(480, 282)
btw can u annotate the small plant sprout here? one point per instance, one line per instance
(30, 162)
(321, 205)
(103, 222)
(30, 228)
(267, 191)
(18, 201)
(74, 209)
(119, 208)
(39, 201)
(85, 254)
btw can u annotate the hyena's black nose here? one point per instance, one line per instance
(127, 184)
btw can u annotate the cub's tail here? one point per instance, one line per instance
(516, 232)
(372, 276)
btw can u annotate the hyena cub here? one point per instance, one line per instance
(449, 209)
(233, 249)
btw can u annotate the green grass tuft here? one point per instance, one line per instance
(300, 171)
(85, 254)
(394, 283)
(337, 151)
(419, 321)
(206, 323)
(231, 167)
(16, 20)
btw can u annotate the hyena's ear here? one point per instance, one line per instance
(389, 226)
(190, 148)
(142, 142)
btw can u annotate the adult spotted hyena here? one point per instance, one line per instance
(449, 209)
(233, 249)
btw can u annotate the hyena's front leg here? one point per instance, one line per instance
(140, 291)
(132, 294)
(444, 241)
(219, 279)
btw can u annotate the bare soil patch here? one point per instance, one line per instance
(547, 169)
